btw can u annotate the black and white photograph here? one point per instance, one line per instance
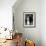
(29, 19)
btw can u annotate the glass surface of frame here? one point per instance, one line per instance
(29, 19)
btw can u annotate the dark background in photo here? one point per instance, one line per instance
(29, 18)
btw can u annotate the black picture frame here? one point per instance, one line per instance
(29, 19)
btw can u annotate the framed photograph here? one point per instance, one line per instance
(29, 19)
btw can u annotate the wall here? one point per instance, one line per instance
(43, 22)
(6, 13)
(31, 6)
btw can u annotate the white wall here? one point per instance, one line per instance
(43, 22)
(6, 13)
(38, 34)
(31, 6)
